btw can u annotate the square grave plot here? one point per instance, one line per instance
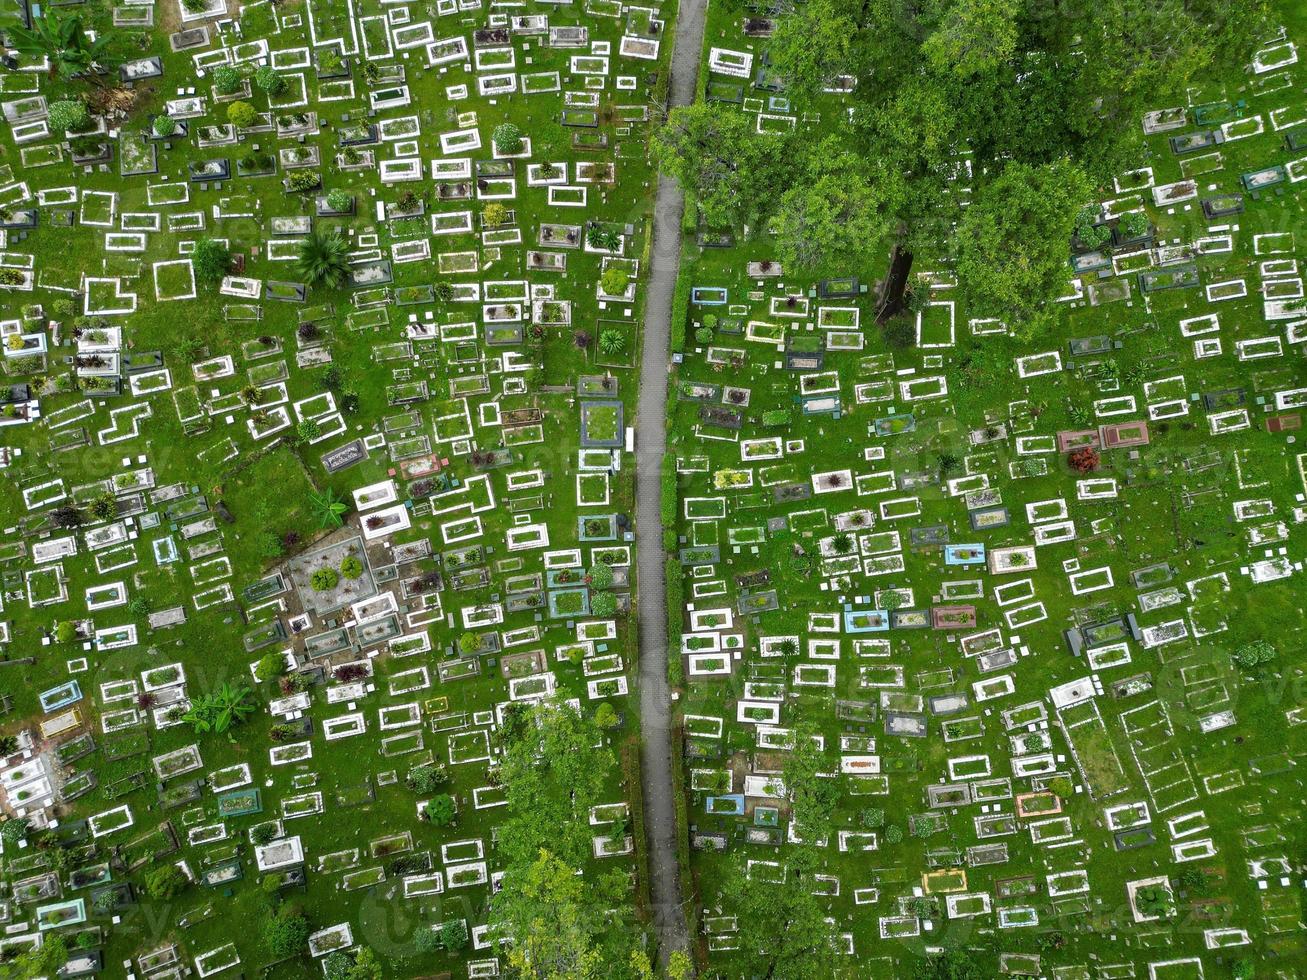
(344, 590)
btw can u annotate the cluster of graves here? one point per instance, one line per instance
(278, 555)
(1038, 610)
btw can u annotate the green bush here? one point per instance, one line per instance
(226, 79)
(268, 79)
(241, 114)
(351, 567)
(507, 138)
(270, 667)
(324, 580)
(166, 881)
(67, 114)
(286, 933)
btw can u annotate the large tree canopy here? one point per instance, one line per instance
(950, 94)
(715, 153)
(1012, 240)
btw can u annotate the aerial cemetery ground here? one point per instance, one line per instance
(318, 323)
(328, 327)
(992, 637)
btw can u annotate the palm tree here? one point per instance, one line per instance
(62, 41)
(329, 508)
(324, 259)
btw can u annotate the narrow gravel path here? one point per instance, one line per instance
(651, 442)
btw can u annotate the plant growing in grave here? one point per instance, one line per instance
(339, 200)
(241, 114)
(323, 579)
(1084, 460)
(307, 430)
(286, 932)
(269, 80)
(507, 138)
(1134, 224)
(1088, 231)
(104, 507)
(324, 259)
(1252, 655)
(227, 79)
(426, 778)
(440, 811)
(598, 236)
(1154, 900)
(614, 281)
(67, 115)
(329, 509)
(211, 260)
(165, 882)
(612, 342)
(842, 543)
(229, 705)
(351, 567)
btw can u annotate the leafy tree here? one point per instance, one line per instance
(813, 794)
(165, 881)
(893, 834)
(453, 934)
(732, 172)
(560, 924)
(814, 44)
(832, 213)
(65, 631)
(469, 643)
(494, 214)
(426, 778)
(324, 259)
(67, 114)
(42, 961)
(783, 930)
(62, 41)
(1012, 239)
(286, 933)
(211, 259)
(973, 37)
(554, 769)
